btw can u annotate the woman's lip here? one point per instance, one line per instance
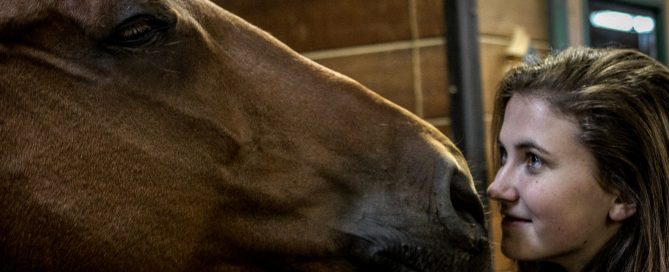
(508, 220)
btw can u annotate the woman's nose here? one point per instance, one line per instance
(503, 187)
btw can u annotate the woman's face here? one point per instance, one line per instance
(552, 207)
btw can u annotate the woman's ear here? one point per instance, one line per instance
(621, 209)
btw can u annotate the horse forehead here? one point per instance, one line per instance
(88, 13)
(17, 12)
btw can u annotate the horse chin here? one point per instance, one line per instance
(415, 256)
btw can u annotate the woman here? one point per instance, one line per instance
(583, 154)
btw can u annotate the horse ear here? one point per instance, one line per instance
(621, 209)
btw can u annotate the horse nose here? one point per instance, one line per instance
(459, 209)
(464, 199)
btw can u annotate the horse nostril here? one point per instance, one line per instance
(458, 204)
(464, 199)
(459, 209)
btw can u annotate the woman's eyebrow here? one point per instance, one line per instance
(529, 144)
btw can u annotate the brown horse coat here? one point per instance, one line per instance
(170, 135)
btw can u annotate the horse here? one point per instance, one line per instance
(171, 135)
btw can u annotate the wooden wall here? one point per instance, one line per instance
(396, 47)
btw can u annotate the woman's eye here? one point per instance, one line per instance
(137, 31)
(534, 162)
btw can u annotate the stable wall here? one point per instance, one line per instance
(394, 47)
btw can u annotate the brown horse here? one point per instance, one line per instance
(170, 135)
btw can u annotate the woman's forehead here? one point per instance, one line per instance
(533, 119)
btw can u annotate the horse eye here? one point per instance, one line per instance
(137, 31)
